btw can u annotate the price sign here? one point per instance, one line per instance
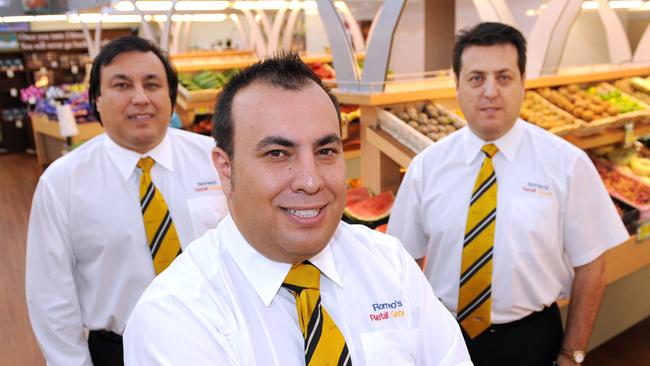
(43, 70)
(19, 123)
(629, 135)
(10, 73)
(13, 92)
(74, 69)
(643, 231)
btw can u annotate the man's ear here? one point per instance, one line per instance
(222, 163)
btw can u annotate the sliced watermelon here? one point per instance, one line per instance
(371, 210)
(382, 228)
(355, 195)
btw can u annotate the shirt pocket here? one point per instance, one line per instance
(390, 347)
(534, 224)
(206, 212)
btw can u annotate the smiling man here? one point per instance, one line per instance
(510, 217)
(113, 213)
(282, 281)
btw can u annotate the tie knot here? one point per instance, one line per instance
(145, 164)
(301, 276)
(490, 150)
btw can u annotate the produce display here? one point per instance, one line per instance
(580, 103)
(430, 120)
(627, 188)
(323, 70)
(537, 110)
(370, 211)
(206, 79)
(623, 102)
(636, 87)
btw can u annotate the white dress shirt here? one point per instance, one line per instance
(553, 214)
(88, 260)
(221, 303)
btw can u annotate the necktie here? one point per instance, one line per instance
(474, 297)
(324, 343)
(161, 233)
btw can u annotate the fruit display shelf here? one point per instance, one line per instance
(636, 86)
(597, 106)
(539, 111)
(626, 187)
(418, 125)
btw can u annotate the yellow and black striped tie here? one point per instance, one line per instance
(324, 343)
(475, 292)
(161, 233)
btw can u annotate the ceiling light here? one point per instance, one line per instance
(183, 5)
(18, 19)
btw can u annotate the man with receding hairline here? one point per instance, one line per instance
(282, 281)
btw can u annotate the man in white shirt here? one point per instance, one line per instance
(89, 252)
(239, 295)
(554, 218)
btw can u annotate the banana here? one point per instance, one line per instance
(640, 166)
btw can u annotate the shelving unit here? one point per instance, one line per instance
(188, 105)
(14, 124)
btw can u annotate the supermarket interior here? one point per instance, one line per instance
(389, 64)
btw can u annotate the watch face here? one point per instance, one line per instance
(578, 356)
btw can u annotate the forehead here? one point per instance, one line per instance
(489, 58)
(134, 64)
(260, 110)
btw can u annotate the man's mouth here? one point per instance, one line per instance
(309, 213)
(140, 116)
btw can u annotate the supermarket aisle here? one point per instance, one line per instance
(18, 177)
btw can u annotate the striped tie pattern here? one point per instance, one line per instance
(474, 296)
(161, 233)
(324, 343)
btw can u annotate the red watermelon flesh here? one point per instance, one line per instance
(382, 228)
(372, 209)
(355, 195)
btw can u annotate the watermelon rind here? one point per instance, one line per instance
(371, 210)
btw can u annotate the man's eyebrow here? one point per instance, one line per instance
(331, 138)
(119, 77)
(274, 140)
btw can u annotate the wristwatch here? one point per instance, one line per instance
(577, 356)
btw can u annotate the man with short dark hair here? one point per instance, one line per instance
(282, 281)
(112, 214)
(510, 217)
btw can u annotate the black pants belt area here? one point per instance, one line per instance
(105, 348)
(534, 340)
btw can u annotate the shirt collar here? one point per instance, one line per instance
(264, 275)
(507, 144)
(126, 160)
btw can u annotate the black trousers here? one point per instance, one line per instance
(532, 341)
(106, 348)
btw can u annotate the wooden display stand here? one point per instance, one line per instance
(382, 156)
(187, 107)
(45, 131)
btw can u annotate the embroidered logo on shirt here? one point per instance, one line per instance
(536, 188)
(387, 310)
(208, 185)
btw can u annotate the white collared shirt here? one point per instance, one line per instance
(222, 303)
(553, 214)
(88, 259)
